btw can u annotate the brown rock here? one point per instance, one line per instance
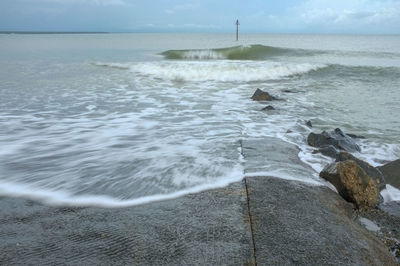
(260, 95)
(352, 183)
(371, 171)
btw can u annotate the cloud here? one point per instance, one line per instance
(182, 7)
(90, 2)
(345, 12)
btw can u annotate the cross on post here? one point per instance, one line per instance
(237, 29)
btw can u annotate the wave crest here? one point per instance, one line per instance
(224, 72)
(252, 52)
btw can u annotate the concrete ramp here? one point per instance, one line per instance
(259, 221)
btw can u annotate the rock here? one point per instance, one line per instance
(352, 183)
(288, 91)
(260, 95)
(329, 151)
(391, 173)
(355, 136)
(289, 131)
(387, 217)
(268, 108)
(336, 138)
(308, 123)
(371, 171)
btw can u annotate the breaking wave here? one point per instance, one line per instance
(227, 71)
(252, 52)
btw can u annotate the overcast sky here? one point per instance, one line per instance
(282, 16)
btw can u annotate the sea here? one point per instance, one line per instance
(118, 120)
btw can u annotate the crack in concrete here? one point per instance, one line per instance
(248, 210)
(251, 222)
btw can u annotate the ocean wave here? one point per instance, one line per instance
(221, 71)
(251, 52)
(123, 66)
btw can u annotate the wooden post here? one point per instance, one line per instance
(237, 30)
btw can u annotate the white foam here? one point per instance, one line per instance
(370, 225)
(375, 153)
(279, 173)
(243, 71)
(64, 198)
(390, 194)
(221, 71)
(202, 54)
(91, 107)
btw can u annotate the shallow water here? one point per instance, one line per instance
(131, 118)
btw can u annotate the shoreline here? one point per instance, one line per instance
(261, 219)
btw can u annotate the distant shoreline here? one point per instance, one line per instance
(53, 32)
(178, 32)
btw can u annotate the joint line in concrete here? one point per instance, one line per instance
(248, 210)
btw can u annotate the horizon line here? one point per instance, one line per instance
(181, 32)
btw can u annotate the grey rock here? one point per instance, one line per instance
(387, 217)
(336, 138)
(391, 173)
(268, 108)
(329, 151)
(289, 91)
(355, 136)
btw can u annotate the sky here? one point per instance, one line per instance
(266, 16)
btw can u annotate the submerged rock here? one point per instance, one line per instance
(309, 124)
(336, 138)
(289, 91)
(355, 136)
(391, 173)
(371, 171)
(260, 95)
(352, 183)
(268, 108)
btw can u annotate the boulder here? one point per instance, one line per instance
(260, 95)
(268, 108)
(371, 171)
(352, 183)
(329, 151)
(335, 138)
(391, 173)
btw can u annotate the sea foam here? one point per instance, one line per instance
(227, 71)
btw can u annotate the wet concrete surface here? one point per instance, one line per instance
(297, 224)
(209, 228)
(259, 221)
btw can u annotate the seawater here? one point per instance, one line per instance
(123, 119)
